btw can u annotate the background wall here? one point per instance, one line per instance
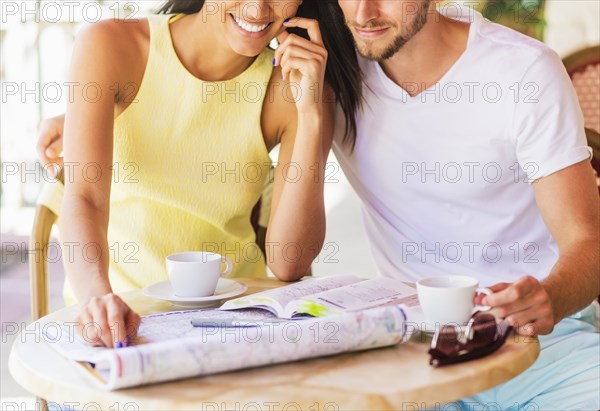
(572, 24)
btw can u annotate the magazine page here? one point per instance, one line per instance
(170, 348)
(358, 296)
(280, 297)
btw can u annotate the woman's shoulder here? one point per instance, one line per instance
(116, 38)
(119, 46)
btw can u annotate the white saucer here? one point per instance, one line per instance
(225, 289)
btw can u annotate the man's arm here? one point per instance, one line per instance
(570, 206)
(569, 203)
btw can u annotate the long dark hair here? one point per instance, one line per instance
(343, 73)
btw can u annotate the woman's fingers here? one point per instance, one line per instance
(294, 46)
(295, 42)
(116, 312)
(87, 329)
(281, 38)
(299, 51)
(99, 317)
(294, 50)
(308, 67)
(132, 320)
(108, 321)
(303, 61)
(310, 25)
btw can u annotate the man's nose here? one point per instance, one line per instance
(366, 10)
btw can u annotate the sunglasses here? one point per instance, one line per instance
(481, 336)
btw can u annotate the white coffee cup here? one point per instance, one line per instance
(449, 299)
(196, 273)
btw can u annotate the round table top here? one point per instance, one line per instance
(387, 378)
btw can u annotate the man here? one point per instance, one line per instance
(471, 158)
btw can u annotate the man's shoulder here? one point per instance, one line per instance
(505, 43)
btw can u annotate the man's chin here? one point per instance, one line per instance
(370, 51)
(373, 53)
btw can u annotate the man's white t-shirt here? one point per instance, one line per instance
(445, 177)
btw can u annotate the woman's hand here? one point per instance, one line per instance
(50, 141)
(303, 62)
(107, 321)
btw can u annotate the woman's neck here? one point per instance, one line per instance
(204, 51)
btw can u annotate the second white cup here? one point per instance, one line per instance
(196, 273)
(449, 299)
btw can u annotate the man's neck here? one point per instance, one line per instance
(428, 56)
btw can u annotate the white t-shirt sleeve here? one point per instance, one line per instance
(548, 122)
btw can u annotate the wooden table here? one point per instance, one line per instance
(384, 379)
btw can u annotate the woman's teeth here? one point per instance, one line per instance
(252, 28)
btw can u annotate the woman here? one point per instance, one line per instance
(170, 151)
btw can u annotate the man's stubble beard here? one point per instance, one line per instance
(401, 39)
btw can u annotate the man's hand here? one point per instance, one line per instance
(50, 141)
(524, 304)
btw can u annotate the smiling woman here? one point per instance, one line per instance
(342, 72)
(173, 104)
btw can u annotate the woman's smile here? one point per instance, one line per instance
(255, 29)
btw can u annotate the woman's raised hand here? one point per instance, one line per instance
(303, 63)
